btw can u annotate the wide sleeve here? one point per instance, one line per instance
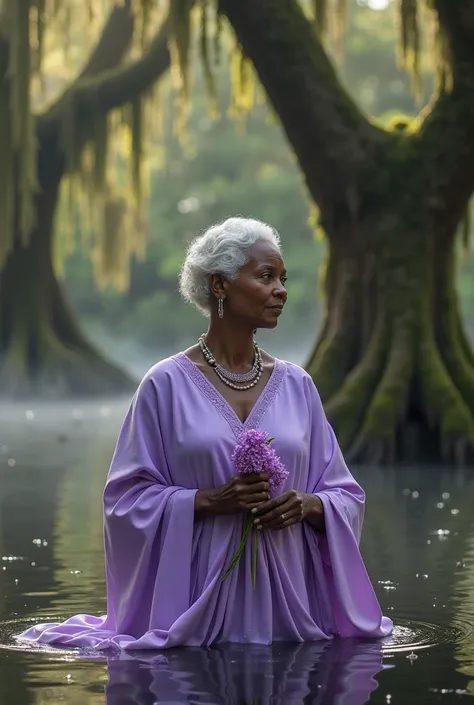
(148, 528)
(356, 609)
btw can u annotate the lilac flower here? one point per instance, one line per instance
(253, 454)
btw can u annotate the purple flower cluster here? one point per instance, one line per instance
(254, 454)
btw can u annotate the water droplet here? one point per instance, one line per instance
(454, 511)
(442, 533)
(11, 462)
(415, 494)
(40, 542)
(30, 415)
(445, 495)
(440, 505)
(406, 493)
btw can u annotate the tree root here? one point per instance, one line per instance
(445, 405)
(461, 370)
(376, 440)
(403, 380)
(456, 353)
(346, 408)
(59, 371)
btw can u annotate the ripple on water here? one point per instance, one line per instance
(408, 636)
(412, 635)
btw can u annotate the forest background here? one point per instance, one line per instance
(227, 167)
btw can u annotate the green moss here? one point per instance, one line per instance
(347, 407)
(388, 404)
(442, 400)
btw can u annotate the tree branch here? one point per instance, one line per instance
(324, 127)
(109, 52)
(115, 88)
(114, 41)
(111, 89)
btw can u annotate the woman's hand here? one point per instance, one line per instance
(241, 494)
(287, 509)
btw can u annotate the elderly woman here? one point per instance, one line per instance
(174, 509)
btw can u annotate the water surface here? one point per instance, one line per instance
(418, 545)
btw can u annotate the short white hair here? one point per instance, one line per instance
(221, 249)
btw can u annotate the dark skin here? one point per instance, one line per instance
(253, 300)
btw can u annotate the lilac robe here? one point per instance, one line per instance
(164, 570)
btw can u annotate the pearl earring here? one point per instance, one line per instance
(220, 308)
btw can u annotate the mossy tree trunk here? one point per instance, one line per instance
(392, 362)
(42, 348)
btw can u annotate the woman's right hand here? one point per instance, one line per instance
(240, 494)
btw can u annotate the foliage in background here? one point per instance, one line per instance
(229, 168)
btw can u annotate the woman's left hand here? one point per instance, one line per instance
(280, 512)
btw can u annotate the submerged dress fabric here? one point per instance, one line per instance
(164, 570)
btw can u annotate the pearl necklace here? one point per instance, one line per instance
(235, 380)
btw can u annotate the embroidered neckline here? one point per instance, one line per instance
(260, 407)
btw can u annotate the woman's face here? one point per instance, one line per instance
(258, 293)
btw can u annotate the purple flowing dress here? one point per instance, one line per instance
(164, 570)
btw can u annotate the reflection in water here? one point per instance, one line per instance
(464, 597)
(342, 673)
(418, 544)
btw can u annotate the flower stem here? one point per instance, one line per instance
(254, 558)
(240, 550)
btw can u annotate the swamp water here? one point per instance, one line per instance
(418, 546)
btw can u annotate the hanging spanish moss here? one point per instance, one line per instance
(39, 34)
(409, 39)
(243, 84)
(205, 53)
(114, 246)
(416, 20)
(41, 54)
(180, 49)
